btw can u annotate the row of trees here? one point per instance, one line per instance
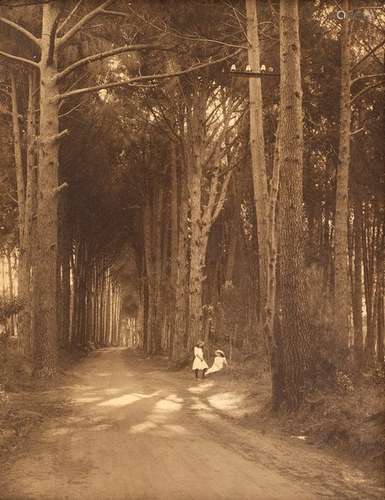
(206, 205)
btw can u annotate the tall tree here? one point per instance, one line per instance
(257, 147)
(342, 285)
(295, 326)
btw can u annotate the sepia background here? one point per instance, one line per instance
(175, 171)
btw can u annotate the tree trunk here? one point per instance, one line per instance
(195, 192)
(257, 146)
(181, 304)
(45, 272)
(173, 244)
(342, 289)
(20, 183)
(8, 256)
(23, 268)
(150, 278)
(272, 330)
(357, 289)
(380, 294)
(296, 342)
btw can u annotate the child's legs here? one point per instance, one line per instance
(196, 373)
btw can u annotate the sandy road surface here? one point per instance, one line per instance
(136, 432)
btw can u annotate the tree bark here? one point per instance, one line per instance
(357, 288)
(181, 304)
(342, 288)
(195, 192)
(257, 147)
(296, 341)
(45, 272)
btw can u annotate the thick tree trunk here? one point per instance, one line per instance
(273, 334)
(295, 327)
(342, 289)
(45, 271)
(195, 192)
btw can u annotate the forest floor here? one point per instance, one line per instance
(118, 426)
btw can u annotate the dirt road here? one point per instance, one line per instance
(137, 432)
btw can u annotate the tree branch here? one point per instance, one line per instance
(355, 132)
(59, 136)
(366, 89)
(374, 49)
(20, 59)
(104, 55)
(22, 30)
(52, 35)
(367, 77)
(72, 31)
(5, 92)
(66, 20)
(60, 188)
(143, 78)
(222, 196)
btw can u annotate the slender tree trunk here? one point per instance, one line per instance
(173, 244)
(20, 182)
(8, 256)
(66, 284)
(380, 293)
(369, 282)
(257, 146)
(181, 304)
(150, 276)
(342, 289)
(296, 342)
(23, 289)
(158, 232)
(357, 290)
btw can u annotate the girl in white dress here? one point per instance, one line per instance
(199, 361)
(220, 362)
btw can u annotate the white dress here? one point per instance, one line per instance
(218, 365)
(199, 362)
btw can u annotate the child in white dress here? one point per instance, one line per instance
(220, 362)
(199, 361)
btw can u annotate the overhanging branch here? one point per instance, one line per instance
(366, 89)
(72, 31)
(70, 15)
(372, 51)
(20, 59)
(22, 30)
(104, 55)
(144, 78)
(367, 77)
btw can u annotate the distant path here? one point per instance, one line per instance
(139, 433)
